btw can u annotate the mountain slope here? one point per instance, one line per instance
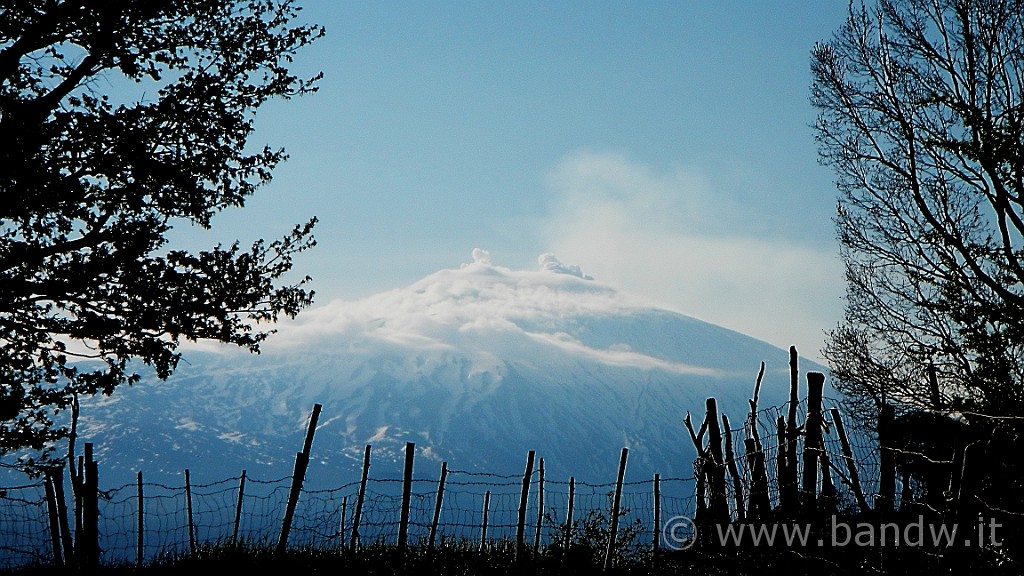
(475, 365)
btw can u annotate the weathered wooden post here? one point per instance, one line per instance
(524, 496)
(483, 525)
(341, 526)
(718, 503)
(851, 464)
(700, 468)
(142, 523)
(569, 512)
(238, 509)
(359, 499)
(613, 522)
(760, 500)
(540, 505)
(789, 486)
(298, 476)
(737, 480)
(781, 464)
(62, 515)
(813, 445)
(188, 513)
(54, 521)
(437, 503)
(403, 522)
(656, 545)
(89, 552)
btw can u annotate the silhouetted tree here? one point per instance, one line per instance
(119, 120)
(922, 117)
(921, 108)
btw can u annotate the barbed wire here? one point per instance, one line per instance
(324, 518)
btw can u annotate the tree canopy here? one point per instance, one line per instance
(921, 108)
(120, 120)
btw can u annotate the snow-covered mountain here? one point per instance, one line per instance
(476, 365)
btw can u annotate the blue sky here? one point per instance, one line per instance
(665, 148)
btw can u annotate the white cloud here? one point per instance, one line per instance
(479, 309)
(670, 237)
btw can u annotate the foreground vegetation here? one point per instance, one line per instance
(465, 558)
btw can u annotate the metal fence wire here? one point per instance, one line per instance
(250, 511)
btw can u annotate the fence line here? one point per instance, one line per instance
(222, 512)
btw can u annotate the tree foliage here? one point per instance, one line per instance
(922, 118)
(921, 108)
(118, 121)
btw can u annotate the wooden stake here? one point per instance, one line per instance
(568, 516)
(718, 504)
(813, 445)
(789, 486)
(656, 545)
(851, 464)
(524, 495)
(298, 476)
(62, 515)
(613, 529)
(437, 503)
(51, 508)
(341, 525)
(188, 510)
(737, 481)
(90, 552)
(483, 526)
(142, 523)
(359, 499)
(403, 522)
(540, 505)
(238, 509)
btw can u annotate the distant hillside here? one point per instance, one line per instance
(475, 365)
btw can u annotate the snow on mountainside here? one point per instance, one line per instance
(475, 365)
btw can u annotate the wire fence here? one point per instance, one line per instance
(251, 511)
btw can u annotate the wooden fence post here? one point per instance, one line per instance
(359, 499)
(238, 509)
(718, 504)
(298, 475)
(52, 514)
(760, 500)
(781, 464)
(79, 488)
(886, 461)
(788, 486)
(851, 464)
(341, 526)
(737, 481)
(813, 446)
(827, 502)
(438, 502)
(483, 525)
(568, 515)
(613, 521)
(540, 505)
(89, 552)
(62, 515)
(142, 524)
(403, 521)
(656, 545)
(524, 495)
(188, 510)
